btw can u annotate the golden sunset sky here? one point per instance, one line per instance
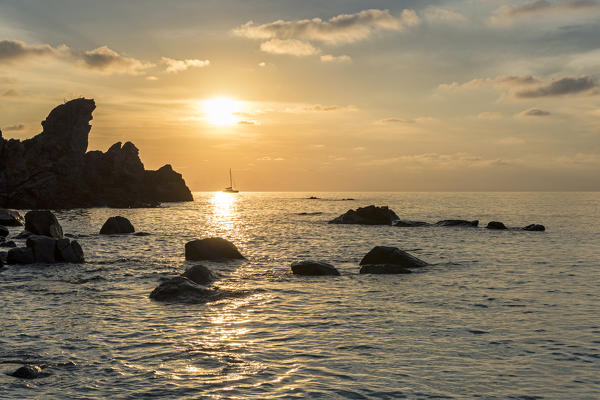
(321, 95)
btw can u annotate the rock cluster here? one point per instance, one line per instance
(52, 170)
(188, 287)
(370, 215)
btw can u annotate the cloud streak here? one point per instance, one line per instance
(175, 66)
(561, 87)
(107, 60)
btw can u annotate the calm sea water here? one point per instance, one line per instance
(499, 314)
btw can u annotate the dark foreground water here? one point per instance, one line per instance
(499, 314)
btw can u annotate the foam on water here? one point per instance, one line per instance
(499, 314)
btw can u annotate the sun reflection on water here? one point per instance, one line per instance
(224, 210)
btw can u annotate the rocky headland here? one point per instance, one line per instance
(54, 170)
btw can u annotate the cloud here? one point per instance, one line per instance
(107, 60)
(17, 127)
(248, 122)
(534, 112)
(394, 120)
(174, 66)
(435, 160)
(262, 64)
(321, 107)
(560, 87)
(344, 28)
(335, 59)
(289, 46)
(511, 80)
(151, 78)
(438, 14)
(508, 13)
(11, 50)
(10, 93)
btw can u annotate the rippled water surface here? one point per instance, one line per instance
(499, 314)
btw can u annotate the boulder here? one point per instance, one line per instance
(458, 222)
(23, 235)
(43, 222)
(199, 274)
(10, 217)
(182, 289)
(43, 249)
(3, 232)
(370, 215)
(392, 255)
(409, 224)
(69, 251)
(29, 372)
(496, 225)
(215, 249)
(9, 243)
(384, 269)
(52, 169)
(535, 227)
(20, 255)
(313, 268)
(116, 226)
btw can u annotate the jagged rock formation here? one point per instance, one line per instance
(53, 170)
(370, 215)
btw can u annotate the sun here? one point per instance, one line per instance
(221, 111)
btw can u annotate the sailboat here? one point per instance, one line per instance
(230, 189)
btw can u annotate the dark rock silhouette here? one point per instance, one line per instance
(458, 222)
(43, 222)
(29, 372)
(313, 268)
(20, 255)
(496, 225)
(69, 251)
(9, 217)
(535, 227)
(370, 215)
(199, 274)
(410, 224)
(3, 232)
(116, 226)
(9, 243)
(43, 248)
(384, 269)
(52, 170)
(391, 255)
(183, 290)
(215, 249)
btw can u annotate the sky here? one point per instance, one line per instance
(462, 95)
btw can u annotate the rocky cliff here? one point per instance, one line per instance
(53, 170)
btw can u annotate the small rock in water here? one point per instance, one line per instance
(42, 248)
(10, 243)
(535, 227)
(313, 268)
(141, 234)
(116, 226)
(20, 255)
(215, 249)
(183, 290)
(458, 222)
(370, 215)
(495, 225)
(69, 251)
(199, 274)
(384, 269)
(29, 372)
(22, 235)
(409, 224)
(3, 231)
(392, 255)
(43, 222)
(10, 218)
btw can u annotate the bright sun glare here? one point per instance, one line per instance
(221, 111)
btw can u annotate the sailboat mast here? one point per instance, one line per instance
(230, 180)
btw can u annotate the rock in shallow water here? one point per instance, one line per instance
(458, 222)
(214, 249)
(392, 255)
(535, 228)
(20, 255)
(29, 372)
(43, 222)
(409, 224)
(199, 274)
(313, 268)
(10, 217)
(384, 269)
(117, 226)
(182, 289)
(496, 225)
(371, 215)
(43, 248)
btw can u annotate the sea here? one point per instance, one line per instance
(497, 315)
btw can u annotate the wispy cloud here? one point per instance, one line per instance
(335, 59)
(394, 120)
(17, 127)
(560, 87)
(534, 112)
(506, 14)
(107, 60)
(12, 50)
(289, 46)
(174, 66)
(438, 14)
(321, 107)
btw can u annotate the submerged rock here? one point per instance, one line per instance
(116, 226)
(20, 255)
(496, 225)
(392, 255)
(3, 232)
(199, 274)
(43, 222)
(182, 289)
(535, 227)
(9, 217)
(215, 249)
(410, 224)
(370, 215)
(29, 372)
(22, 235)
(52, 170)
(458, 222)
(384, 269)
(313, 268)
